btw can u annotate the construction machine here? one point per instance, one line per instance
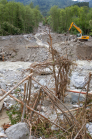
(79, 36)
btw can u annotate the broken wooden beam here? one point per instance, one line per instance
(15, 87)
(31, 109)
(90, 93)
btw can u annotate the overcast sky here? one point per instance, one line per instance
(82, 0)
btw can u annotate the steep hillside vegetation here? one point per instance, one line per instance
(45, 5)
(15, 18)
(80, 4)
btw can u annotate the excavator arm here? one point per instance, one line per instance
(72, 24)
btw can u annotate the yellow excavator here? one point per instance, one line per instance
(79, 36)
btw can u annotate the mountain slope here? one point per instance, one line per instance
(45, 5)
(90, 2)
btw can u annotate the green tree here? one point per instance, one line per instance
(3, 2)
(15, 18)
(60, 19)
(31, 5)
(55, 17)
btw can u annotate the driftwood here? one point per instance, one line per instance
(73, 123)
(51, 93)
(87, 90)
(16, 86)
(31, 109)
(36, 103)
(24, 107)
(80, 131)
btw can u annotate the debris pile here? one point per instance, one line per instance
(44, 110)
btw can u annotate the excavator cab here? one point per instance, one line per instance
(79, 35)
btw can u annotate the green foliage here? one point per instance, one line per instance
(45, 5)
(7, 27)
(14, 114)
(3, 1)
(17, 90)
(60, 19)
(31, 5)
(15, 18)
(90, 23)
(55, 14)
(80, 4)
(43, 129)
(90, 33)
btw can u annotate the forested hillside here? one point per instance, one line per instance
(15, 18)
(80, 4)
(45, 5)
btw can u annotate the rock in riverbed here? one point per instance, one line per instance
(18, 131)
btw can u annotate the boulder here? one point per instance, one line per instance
(2, 135)
(3, 85)
(78, 81)
(89, 128)
(36, 86)
(54, 128)
(18, 131)
(8, 102)
(42, 82)
(75, 98)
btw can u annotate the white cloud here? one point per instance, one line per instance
(81, 0)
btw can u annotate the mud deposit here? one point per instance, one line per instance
(34, 48)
